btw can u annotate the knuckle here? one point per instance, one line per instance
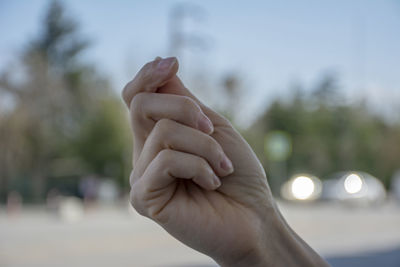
(125, 92)
(164, 158)
(159, 137)
(188, 103)
(136, 201)
(163, 127)
(189, 106)
(137, 103)
(147, 67)
(143, 75)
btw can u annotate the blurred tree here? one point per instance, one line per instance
(232, 89)
(329, 136)
(60, 109)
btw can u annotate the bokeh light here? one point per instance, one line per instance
(302, 187)
(353, 183)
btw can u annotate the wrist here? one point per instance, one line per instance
(278, 245)
(267, 227)
(252, 258)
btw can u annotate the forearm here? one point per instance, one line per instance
(292, 250)
(280, 246)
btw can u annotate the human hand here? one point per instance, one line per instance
(199, 179)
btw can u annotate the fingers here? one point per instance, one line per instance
(151, 76)
(168, 134)
(160, 76)
(161, 174)
(170, 164)
(147, 108)
(175, 86)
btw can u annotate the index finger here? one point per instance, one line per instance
(152, 75)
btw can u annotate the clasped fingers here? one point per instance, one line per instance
(168, 134)
(148, 108)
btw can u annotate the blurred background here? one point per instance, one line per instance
(314, 86)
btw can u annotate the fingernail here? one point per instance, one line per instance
(205, 125)
(226, 165)
(216, 182)
(165, 63)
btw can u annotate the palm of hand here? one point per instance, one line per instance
(229, 217)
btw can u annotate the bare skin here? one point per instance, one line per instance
(199, 179)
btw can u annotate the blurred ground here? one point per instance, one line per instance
(108, 236)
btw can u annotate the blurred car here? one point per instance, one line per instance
(396, 185)
(302, 187)
(353, 187)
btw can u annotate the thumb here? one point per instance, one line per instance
(150, 77)
(176, 87)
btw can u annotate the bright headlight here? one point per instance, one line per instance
(302, 187)
(353, 183)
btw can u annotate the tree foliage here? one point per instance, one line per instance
(64, 120)
(328, 135)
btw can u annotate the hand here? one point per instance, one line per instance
(199, 179)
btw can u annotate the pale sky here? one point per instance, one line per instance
(271, 44)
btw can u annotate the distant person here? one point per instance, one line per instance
(14, 203)
(198, 178)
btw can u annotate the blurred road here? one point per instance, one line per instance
(116, 236)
